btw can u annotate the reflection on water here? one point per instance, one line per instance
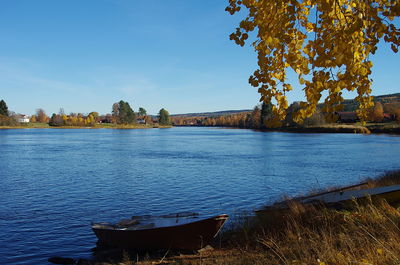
(55, 182)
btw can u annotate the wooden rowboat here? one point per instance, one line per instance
(342, 198)
(161, 232)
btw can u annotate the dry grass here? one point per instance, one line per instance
(341, 128)
(26, 126)
(393, 128)
(327, 128)
(312, 235)
(97, 126)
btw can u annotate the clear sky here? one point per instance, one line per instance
(84, 55)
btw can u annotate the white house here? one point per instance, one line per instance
(23, 119)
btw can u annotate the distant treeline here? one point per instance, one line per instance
(121, 113)
(212, 114)
(386, 109)
(255, 119)
(389, 102)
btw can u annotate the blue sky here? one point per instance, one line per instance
(175, 54)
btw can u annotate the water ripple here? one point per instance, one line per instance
(55, 182)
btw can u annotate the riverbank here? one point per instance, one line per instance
(376, 128)
(328, 128)
(368, 234)
(390, 128)
(97, 126)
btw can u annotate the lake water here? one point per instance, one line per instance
(54, 182)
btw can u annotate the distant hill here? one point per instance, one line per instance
(348, 104)
(211, 114)
(390, 98)
(352, 104)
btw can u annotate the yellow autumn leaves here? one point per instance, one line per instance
(326, 43)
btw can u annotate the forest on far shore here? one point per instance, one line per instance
(386, 110)
(121, 114)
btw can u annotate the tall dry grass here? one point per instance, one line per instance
(313, 235)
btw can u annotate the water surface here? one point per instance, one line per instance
(54, 182)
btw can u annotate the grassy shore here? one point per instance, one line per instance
(389, 128)
(393, 128)
(27, 126)
(329, 128)
(97, 126)
(305, 234)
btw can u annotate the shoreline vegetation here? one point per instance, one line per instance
(305, 234)
(388, 128)
(97, 126)
(384, 117)
(122, 117)
(374, 128)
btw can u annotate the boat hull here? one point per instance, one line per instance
(338, 199)
(391, 194)
(191, 236)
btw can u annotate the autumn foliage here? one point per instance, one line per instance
(327, 43)
(72, 120)
(377, 113)
(255, 119)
